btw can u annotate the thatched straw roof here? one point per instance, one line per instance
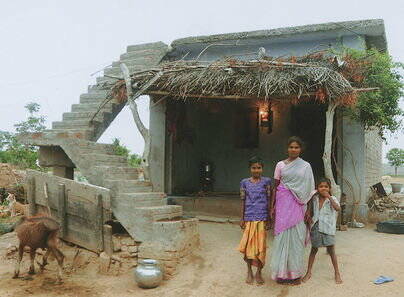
(265, 79)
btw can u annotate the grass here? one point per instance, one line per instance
(7, 220)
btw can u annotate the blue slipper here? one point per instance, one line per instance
(382, 279)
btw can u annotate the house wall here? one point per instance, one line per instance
(213, 141)
(157, 146)
(362, 164)
(230, 163)
(353, 162)
(373, 158)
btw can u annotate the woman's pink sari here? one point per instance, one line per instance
(294, 191)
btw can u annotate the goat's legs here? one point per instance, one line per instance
(59, 257)
(32, 254)
(45, 259)
(17, 265)
(52, 246)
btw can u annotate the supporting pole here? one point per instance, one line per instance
(62, 210)
(31, 196)
(336, 189)
(99, 223)
(108, 245)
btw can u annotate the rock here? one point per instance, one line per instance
(11, 250)
(125, 255)
(116, 244)
(124, 248)
(104, 263)
(169, 273)
(127, 240)
(132, 249)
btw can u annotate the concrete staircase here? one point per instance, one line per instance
(102, 167)
(143, 212)
(94, 113)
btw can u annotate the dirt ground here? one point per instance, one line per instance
(217, 269)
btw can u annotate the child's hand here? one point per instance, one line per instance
(272, 215)
(326, 194)
(242, 224)
(308, 219)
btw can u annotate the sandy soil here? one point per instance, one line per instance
(217, 269)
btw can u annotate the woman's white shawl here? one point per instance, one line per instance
(297, 176)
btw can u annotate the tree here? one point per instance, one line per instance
(134, 160)
(378, 109)
(396, 158)
(11, 151)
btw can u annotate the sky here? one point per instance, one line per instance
(50, 51)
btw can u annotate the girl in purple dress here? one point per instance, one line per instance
(255, 193)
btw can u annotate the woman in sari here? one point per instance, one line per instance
(294, 183)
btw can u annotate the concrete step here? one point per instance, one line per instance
(141, 54)
(76, 124)
(71, 116)
(161, 212)
(91, 89)
(75, 133)
(91, 147)
(88, 107)
(147, 46)
(93, 97)
(117, 70)
(151, 203)
(105, 159)
(141, 63)
(103, 79)
(129, 186)
(111, 172)
(131, 204)
(142, 196)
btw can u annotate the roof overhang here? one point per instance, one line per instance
(373, 30)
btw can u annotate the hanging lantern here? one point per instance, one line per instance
(266, 116)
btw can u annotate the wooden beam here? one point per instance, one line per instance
(233, 97)
(236, 97)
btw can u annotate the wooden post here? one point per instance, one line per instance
(62, 210)
(329, 116)
(98, 222)
(31, 196)
(108, 245)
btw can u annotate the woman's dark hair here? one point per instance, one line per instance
(324, 180)
(254, 160)
(296, 139)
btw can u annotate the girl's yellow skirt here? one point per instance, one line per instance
(253, 244)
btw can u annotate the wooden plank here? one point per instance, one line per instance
(81, 209)
(98, 223)
(75, 188)
(62, 210)
(31, 193)
(108, 244)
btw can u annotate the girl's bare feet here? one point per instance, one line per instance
(306, 277)
(338, 279)
(258, 278)
(250, 278)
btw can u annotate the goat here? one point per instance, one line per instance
(16, 207)
(39, 231)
